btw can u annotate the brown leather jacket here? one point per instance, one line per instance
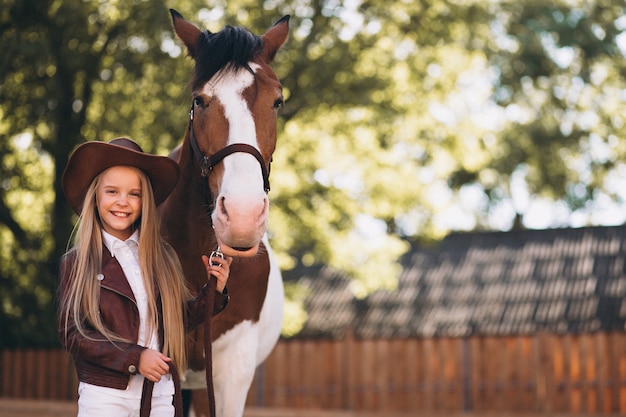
(100, 362)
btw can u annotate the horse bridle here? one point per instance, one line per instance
(207, 163)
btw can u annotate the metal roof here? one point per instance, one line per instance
(497, 283)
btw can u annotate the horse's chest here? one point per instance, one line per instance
(247, 287)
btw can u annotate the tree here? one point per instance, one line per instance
(559, 83)
(400, 118)
(58, 59)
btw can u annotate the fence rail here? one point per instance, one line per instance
(542, 374)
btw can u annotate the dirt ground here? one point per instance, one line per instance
(38, 408)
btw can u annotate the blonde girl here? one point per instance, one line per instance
(124, 308)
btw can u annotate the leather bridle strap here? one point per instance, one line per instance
(206, 166)
(218, 156)
(208, 163)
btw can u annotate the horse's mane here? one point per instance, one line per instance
(230, 49)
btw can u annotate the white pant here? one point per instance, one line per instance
(92, 403)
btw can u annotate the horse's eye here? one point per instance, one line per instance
(198, 101)
(278, 104)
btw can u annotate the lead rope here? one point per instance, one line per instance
(146, 395)
(208, 351)
(208, 342)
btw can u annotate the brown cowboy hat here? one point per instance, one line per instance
(91, 158)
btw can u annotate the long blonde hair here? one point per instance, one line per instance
(159, 266)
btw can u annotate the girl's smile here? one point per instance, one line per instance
(118, 198)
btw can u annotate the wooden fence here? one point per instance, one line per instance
(543, 374)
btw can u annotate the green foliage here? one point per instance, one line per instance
(294, 309)
(396, 112)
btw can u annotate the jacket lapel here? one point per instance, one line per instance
(114, 278)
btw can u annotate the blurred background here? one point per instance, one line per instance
(406, 123)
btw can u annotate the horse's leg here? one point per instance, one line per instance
(238, 352)
(234, 364)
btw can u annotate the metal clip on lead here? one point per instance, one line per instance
(218, 253)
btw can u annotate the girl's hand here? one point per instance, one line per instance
(153, 364)
(220, 269)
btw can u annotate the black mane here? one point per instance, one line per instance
(231, 48)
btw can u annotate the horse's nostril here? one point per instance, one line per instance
(222, 206)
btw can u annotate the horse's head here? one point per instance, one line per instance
(232, 130)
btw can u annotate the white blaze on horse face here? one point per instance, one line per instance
(241, 208)
(228, 88)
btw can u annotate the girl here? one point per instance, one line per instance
(123, 304)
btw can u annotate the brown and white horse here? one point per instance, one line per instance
(221, 199)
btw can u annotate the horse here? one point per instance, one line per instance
(221, 201)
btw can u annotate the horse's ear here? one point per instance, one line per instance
(186, 32)
(274, 38)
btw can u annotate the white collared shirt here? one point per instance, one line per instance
(127, 255)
